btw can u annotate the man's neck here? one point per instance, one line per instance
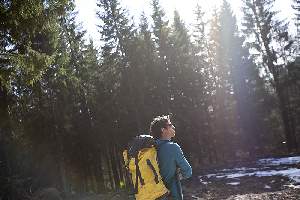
(165, 138)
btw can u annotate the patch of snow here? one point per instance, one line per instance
(239, 169)
(293, 186)
(236, 173)
(233, 183)
(279, 161)
(292, 173)
(209, 175)
(197, 198)
(202, 181)
(268, 187)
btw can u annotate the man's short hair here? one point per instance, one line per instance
(157, 124)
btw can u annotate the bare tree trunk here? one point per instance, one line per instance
(119, 163)
(115, 172)
(291, 113)
(99, 174)
(5, 132)
(290, 135)
(62, 171)
(109, 168)
(59, 148)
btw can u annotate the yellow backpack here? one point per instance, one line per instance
(141, 163)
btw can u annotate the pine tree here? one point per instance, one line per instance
(118, 36)
(145, 60)
(29, 35)
(261, 24)
(243, 81)
(188, 88)
(292, 77)
(160, 31)
(203, 55)
(217, 73)
(200, 33)
(161, 34)
(296, 7)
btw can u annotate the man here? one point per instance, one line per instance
(170, 156)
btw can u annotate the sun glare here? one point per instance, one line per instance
(185, 8)
(87, 8)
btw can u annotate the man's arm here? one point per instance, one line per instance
(182, 163)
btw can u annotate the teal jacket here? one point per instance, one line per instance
(170, 158)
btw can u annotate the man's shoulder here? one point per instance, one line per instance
(173, 145)
(168, 144)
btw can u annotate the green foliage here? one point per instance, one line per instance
(68, 110)
(29, 37)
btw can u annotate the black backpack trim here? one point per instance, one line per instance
(137, 176)
(153, 170)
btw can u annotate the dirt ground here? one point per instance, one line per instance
(249, 187)
(200, 187)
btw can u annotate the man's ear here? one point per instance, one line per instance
(162, 130)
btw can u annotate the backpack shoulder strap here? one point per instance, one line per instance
(153, 170)
(137, 175)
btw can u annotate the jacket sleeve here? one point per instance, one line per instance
(182, 163)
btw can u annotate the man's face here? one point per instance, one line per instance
(169, 130)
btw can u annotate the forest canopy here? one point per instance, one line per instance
(68, 109)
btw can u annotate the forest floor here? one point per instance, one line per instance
(265, 179)
(250, 188)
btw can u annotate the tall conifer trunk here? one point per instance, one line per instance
(4, 136)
